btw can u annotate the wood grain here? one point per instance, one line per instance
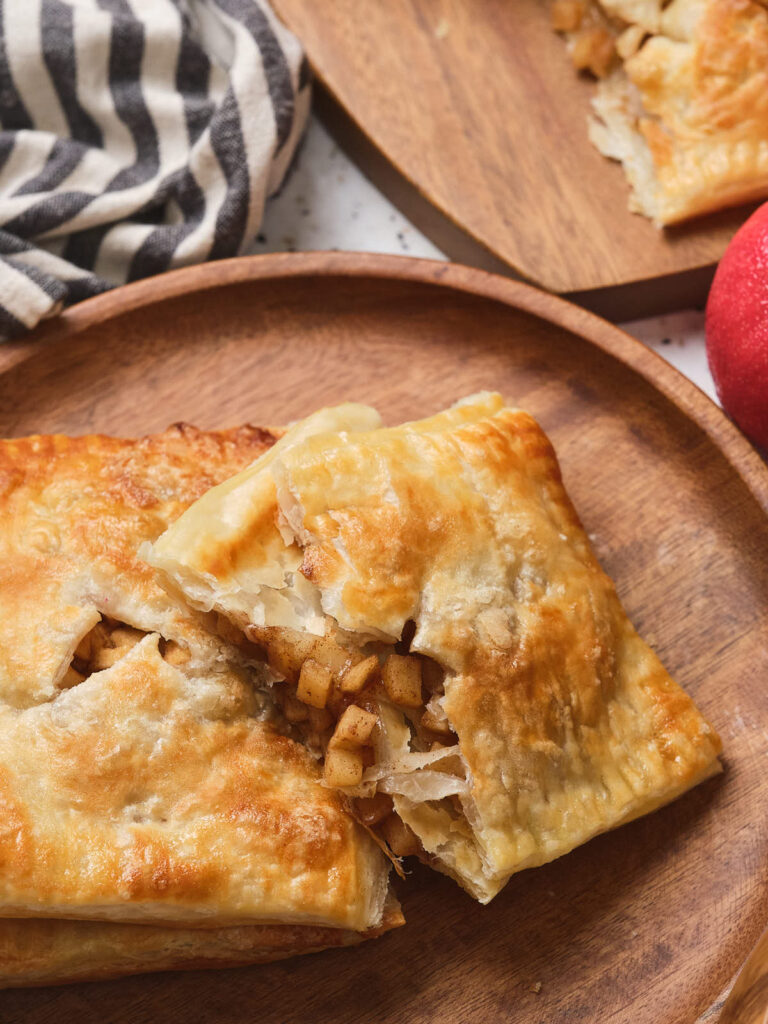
(646, 925)
(471, 117)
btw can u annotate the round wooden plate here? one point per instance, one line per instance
(647, 924)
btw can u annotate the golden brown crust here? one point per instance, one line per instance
(688, 114)
(567, 722)
(148, 792)
(143, 794)
(556, 701)
(73, 512)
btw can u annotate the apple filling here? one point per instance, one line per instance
(106, 643)
(374, 717)
(591, 42)
(598, 36)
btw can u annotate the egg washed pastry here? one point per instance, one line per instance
(144, 778)
(683, 97)
(436, 622)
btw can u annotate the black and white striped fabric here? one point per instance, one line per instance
(137, 135)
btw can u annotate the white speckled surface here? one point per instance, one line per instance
(329, 204)
(679, 337)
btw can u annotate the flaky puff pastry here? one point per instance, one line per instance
(73, 512)
(567, 723)
(687, 114)
(147, 794)
(152, 791)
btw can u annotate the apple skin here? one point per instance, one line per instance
(737, 328)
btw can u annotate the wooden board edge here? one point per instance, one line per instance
(626, 301)
(747, 1001)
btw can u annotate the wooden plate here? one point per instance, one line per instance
(471, 117)
(644, 925)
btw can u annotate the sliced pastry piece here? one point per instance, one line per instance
(149, 793)
(444, 635)
(684, 105)
(143, 776)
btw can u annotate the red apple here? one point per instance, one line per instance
(737, 328)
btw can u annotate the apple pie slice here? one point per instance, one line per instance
(145, 778)
(438, 626)
(683, 97)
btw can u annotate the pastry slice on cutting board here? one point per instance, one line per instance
(682, 100)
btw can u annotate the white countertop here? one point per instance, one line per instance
(327, 203)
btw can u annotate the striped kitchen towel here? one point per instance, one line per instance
(137, 135)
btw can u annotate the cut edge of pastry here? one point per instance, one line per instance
(620, 130)
(612, 130)
(617, 104)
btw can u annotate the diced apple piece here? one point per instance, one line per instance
(567, 15)
(126, 637)
(106, 657)
(354, 728)
(401, 676)
(315, 683)
(100, 636)
(435, 720)
(175, 654)
(594, 50)
(358, 676)
(343, 767)
(333, 656)
(294, 710)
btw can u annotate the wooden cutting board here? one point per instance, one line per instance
(471, 117)
(645, 925)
